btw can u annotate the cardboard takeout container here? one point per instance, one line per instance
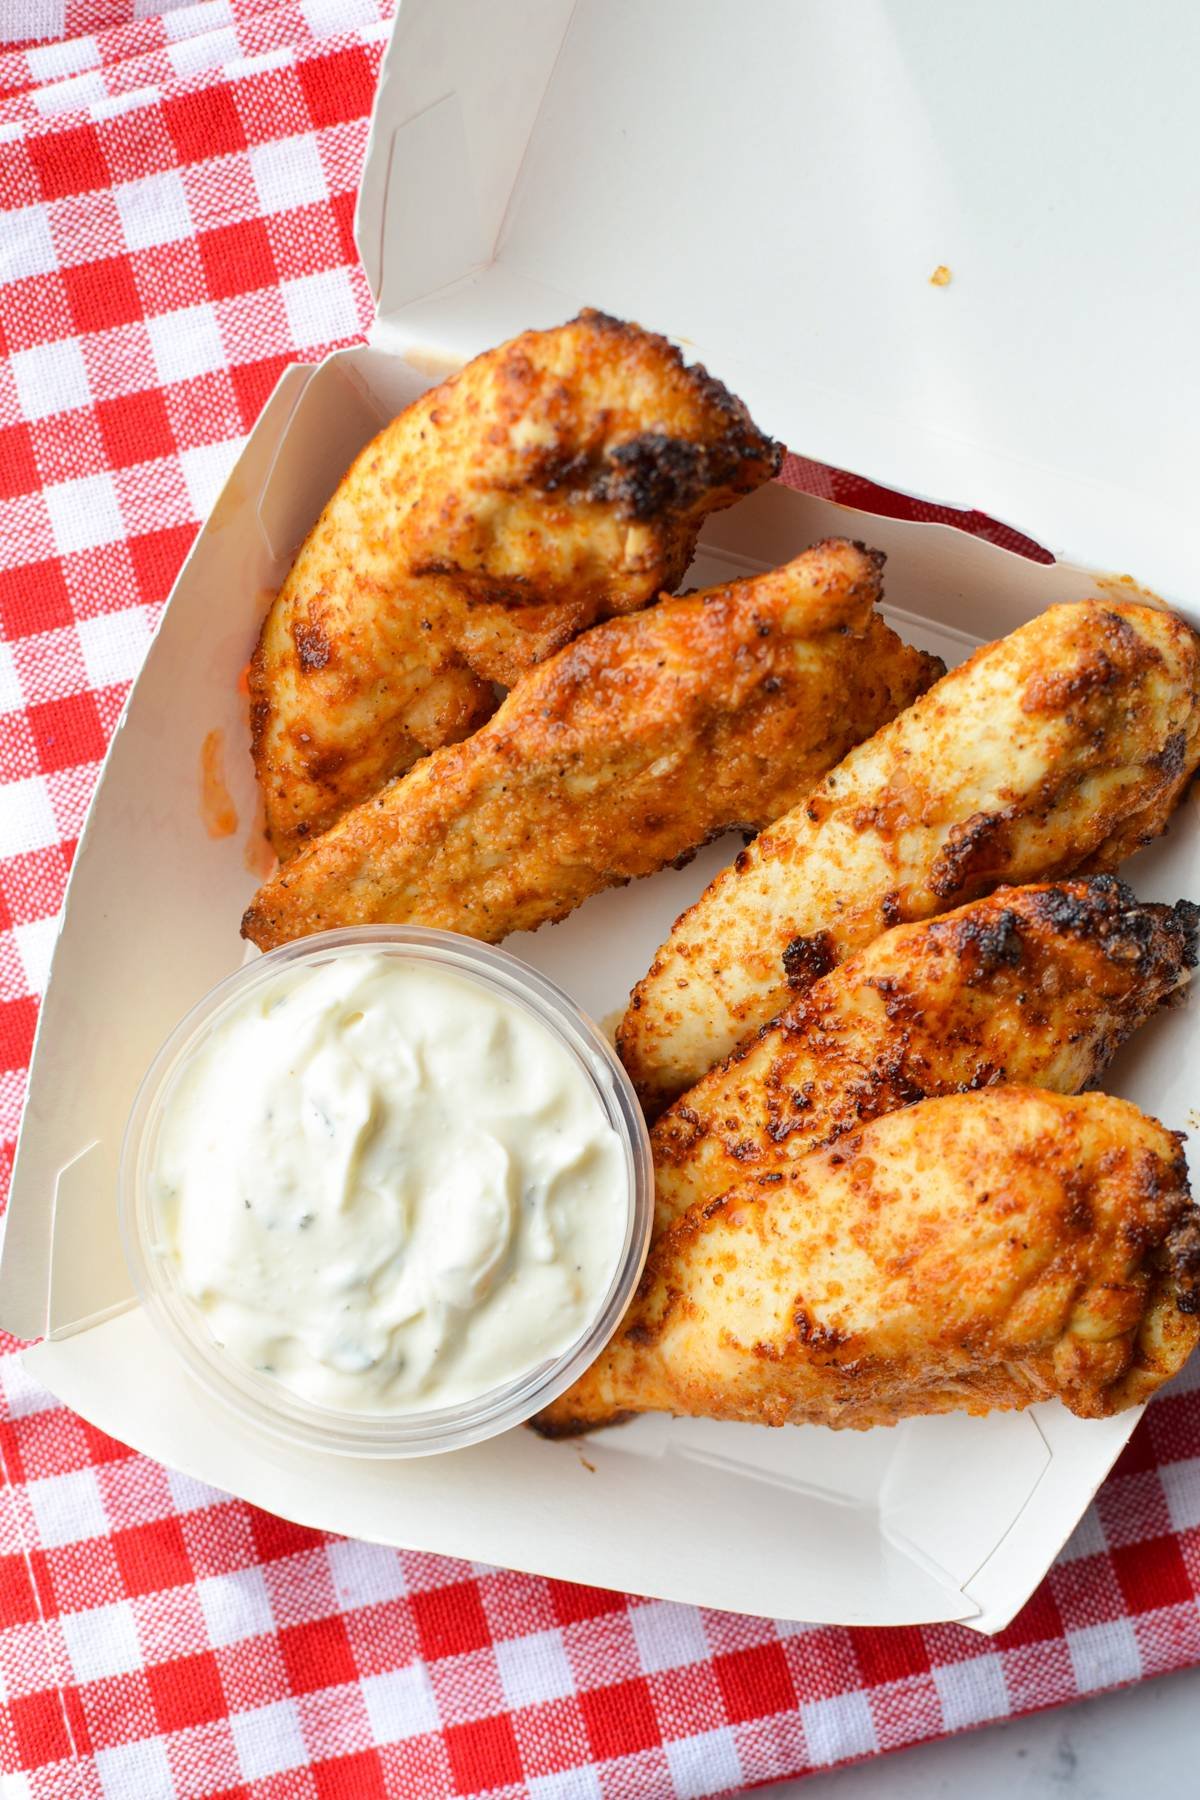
(778, 199)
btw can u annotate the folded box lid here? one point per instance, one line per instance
(776, 184)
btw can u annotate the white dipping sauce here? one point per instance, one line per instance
(388, 1187)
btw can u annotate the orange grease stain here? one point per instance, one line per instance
(436, 363)
(1124, 587)
(258, 855)
(216, 805)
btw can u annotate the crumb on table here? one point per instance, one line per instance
(941, 276)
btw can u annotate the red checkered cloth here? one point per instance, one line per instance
(179, 194)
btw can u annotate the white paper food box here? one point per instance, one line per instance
(774, 186)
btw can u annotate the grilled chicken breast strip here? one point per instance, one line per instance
(1032, 986)
(624, 752)
(556, 480)
(1061, 747)
(975, 1251)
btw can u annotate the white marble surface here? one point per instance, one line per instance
(1143, 1741)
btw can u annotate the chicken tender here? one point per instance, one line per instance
(1033, 986)
(975, 1251)
(624, 752)
(556, 480)
(1061, 747)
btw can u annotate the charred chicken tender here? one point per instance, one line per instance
(556, 480)
(1033, 986)
(980, 1250)
(622, 753)
(1060, 748)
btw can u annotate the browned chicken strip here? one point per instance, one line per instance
(976, 1251)
(556, 480)
(1061, 747)
(624, 752)
(1033, 986)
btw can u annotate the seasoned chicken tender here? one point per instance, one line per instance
(1033, 986)
(1061, 747)
(556, 480)
(624, 752)
(980, 1250)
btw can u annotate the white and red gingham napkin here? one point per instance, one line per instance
(177, 195)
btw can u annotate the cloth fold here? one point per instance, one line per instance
(177, 192)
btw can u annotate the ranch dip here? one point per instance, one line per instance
(387, 1186)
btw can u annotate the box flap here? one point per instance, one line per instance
(459, 91)
(147, 922)
(806, 1552)
(776, 186)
